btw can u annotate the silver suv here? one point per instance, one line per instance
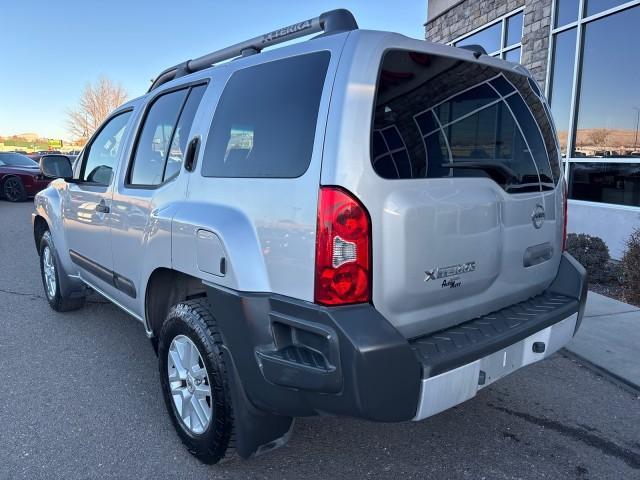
(361, 224)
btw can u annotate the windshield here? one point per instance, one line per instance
(16, 160)
(439, 117)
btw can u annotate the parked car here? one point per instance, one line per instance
(19, 177)
(36, 156)
(362, 224)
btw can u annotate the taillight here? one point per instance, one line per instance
(564, 208)
(343, 236)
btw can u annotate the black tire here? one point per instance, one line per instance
(194, 320)
(56, 300)
(13, 189)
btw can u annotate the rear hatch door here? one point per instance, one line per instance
(465, 205)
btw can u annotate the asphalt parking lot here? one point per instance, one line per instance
(80, 398)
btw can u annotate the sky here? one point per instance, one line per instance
(51, 50)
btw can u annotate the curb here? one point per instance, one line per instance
(613, 377)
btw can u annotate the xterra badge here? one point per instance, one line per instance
(450, 271)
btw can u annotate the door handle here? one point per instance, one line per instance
(192, 152)
(102, 207)
(537, 254)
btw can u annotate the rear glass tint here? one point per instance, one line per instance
(439, 117)
(265, 122)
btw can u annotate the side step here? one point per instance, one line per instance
(448, 349)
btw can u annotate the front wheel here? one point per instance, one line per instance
(50, 273)
(194, 381)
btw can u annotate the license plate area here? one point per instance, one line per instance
(500, 364)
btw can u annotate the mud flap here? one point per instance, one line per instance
(256, 431)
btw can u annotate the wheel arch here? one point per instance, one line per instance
(40, 226)
(165, 288)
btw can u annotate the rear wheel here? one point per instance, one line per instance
(13, 189)
(50, 273)
(194, 381)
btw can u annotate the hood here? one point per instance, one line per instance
(22, 169)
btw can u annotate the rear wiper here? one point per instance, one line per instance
(494, 169)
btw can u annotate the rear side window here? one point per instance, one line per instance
(265, 122)
(162, 141)
(439, 117)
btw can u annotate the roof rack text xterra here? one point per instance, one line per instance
(334, 21)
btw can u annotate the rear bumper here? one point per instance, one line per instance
(295, 358)
(443, 391)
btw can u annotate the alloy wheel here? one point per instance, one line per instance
(12, 189)
(189, 384)
(49, 270)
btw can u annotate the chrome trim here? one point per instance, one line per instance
(451, 388)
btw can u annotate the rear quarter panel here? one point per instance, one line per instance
(267, 225)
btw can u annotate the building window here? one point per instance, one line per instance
(564, 52)
(566, 12)
(605, 182)
(596, 6)
(608, 98)
(595, 102)
(501, 38)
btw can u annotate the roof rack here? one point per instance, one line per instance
(334, 21)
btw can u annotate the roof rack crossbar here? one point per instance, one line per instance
(334, 21)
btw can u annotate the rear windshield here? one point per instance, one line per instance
(265, 122)
(438, 117)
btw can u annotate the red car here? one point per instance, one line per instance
(19, 177)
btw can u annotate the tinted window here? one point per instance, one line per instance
(181, 133)
(564, 49)
(155, 138)
(597, 6)
(566, 11)
(617, 183)
(514, 29)
(609, 98)
(265, 122)
(489, 38)
(513, 55)
(102, 154)
(16, 160)
(438, 117)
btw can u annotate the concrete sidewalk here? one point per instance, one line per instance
(609, 338)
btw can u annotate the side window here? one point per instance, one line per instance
(163, 140)
(99, 159)
(181, 134)
(155, 138)
(265, 122)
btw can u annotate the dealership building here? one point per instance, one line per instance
(585, 55)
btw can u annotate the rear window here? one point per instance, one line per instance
(265, 122)
(438, 117)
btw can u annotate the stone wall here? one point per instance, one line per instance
(471, 14)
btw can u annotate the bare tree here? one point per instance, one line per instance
(96, 102)
(599, 136)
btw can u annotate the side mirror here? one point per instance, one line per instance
(56, 166)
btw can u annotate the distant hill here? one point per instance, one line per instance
(591, 140)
